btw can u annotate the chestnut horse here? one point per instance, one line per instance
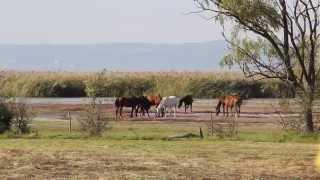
(121, 102)
(232, 101)
(154, 100)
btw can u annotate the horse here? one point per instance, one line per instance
(144, 105)
(154, 100)
(232, 101)
(126, 102)
(167, 102)
(187, 101)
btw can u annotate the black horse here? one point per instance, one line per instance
(187, 101)
(144, 105)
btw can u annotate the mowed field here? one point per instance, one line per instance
(138, 148)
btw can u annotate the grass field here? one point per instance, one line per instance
(135, 150)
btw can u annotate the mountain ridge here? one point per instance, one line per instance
(113, 56)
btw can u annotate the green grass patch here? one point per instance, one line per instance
(126, 130)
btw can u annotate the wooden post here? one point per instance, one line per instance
(211, 124)
(69, 117)
(201, 133)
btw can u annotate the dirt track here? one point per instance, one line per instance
(252, 111)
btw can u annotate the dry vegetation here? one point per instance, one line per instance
(199, 84)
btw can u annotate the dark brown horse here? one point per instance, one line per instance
(144, 105)
(232, 101)
(126, 102)
(154, 100)
(187, 101)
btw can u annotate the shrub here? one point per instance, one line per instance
(5, 117)
(68, 88)
(22, 116)
(289, 123)
(92, 121)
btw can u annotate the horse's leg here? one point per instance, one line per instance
(136, 111)
(117, 108)
(148, 113)
(191, 108)
(121, 107)
(227, 111)
(185, 108)
(132, 109)
(141, 111)
(156, 112)
(171, 109)
(218, 110)
(231, 110)
(223, 109)
(236, 108)
(144, 111)
(175, 109)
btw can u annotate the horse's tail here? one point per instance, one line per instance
(218, 107)
(117, 103)
(239, 102)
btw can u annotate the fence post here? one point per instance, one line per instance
(201, 133)
(69, 117)
(211, 124)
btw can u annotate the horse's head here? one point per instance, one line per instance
(160, 110)
(157, 99)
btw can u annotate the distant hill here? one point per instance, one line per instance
(113, 56)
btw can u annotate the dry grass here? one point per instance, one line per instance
(134, 150)
(157, 159)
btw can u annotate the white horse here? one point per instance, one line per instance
(169, 102)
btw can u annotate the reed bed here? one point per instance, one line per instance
(112, 84)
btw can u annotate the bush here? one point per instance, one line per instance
(289, 123)
(22, 116)
(67, 88)
(5, 117)
(93, 122)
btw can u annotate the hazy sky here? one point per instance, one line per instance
(99, 21)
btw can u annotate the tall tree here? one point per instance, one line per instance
(273, 39)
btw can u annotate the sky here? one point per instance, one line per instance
(103, 21)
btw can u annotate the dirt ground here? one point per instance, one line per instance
(261, 111)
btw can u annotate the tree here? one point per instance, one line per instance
(276, 39)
